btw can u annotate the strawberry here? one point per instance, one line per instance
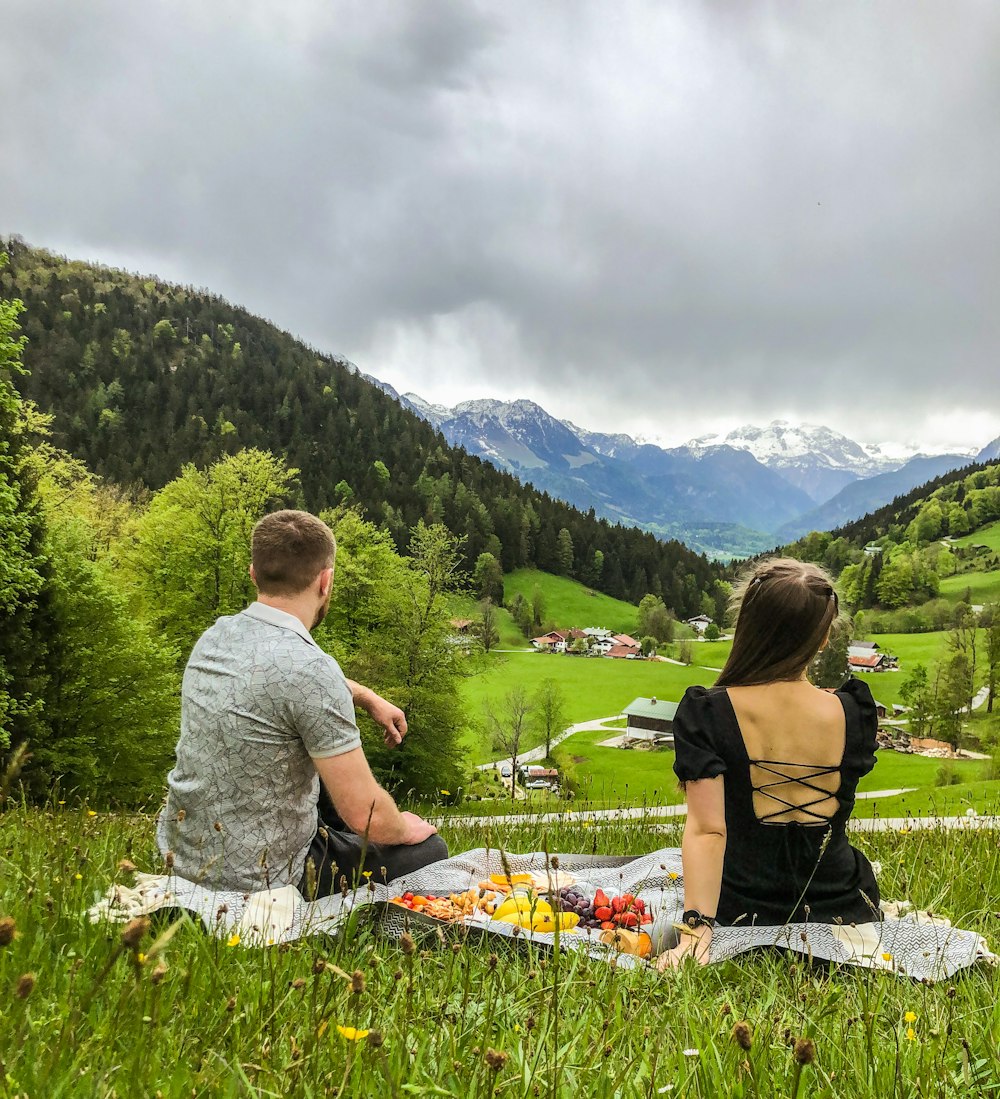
(617, 904)
(628, 919)
(601, 899)
(603, 913)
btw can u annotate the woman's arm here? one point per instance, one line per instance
(702, 851)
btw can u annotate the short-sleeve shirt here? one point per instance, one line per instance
(775, 872)
(259, 701)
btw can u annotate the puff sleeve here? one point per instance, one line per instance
(695, 738)
(862, 724)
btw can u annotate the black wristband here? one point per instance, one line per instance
(693, 918)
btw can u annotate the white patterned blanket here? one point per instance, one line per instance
(905, 942)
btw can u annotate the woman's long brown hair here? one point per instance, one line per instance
(786, 608)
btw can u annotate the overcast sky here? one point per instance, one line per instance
(662, 218)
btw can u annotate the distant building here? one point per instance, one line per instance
(460, 625)
(622, 652)
(651, 714)
(871, 550)
(868, 662)
(596, 632)
(626, 641)
(700, 622)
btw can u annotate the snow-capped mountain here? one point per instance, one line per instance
(815, 458)
(990, 452)
(731, 494)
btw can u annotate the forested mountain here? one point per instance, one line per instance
(143, 377)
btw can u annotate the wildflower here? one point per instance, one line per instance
(886, 957)
(905, 830)
(743, 1035)
(804, 1051)
(664, 1089)
(133, 931)
(446, 793)
(140, 957)
(910, 1034)
(673, 875)
(25, 984)
(352, 1034)
(8, 929)
(78, 877)
(366, 873)
(691, 1052)
(234, 939)
(62, 803)
(910, 1017)
(91, 813)
(496, 1059)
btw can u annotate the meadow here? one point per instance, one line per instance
(568, 603)
(973, 587)
(180, 1013)
(985, 536)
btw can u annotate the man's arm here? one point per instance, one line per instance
(384, 713)
(364, 806)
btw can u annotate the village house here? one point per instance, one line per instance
(534, 777)
(650, 719)
(700, 622)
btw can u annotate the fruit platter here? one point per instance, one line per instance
(547, 905)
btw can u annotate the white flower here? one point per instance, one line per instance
(691, 1052)
(664, 1089)
(970, 812)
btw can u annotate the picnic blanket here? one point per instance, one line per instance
(906, 942)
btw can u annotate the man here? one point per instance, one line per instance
(268, 728)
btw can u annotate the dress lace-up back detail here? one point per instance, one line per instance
(791, 812)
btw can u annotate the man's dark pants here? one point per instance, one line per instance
(340, 858)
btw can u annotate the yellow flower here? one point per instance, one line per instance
(234, 939)
(140, 958)
(62, 802)
(367, 873)
(886, 957)
(447, 793)
(673, 875)
(91, 813)
(910, 1017)
(905, 830)
(78, 877)
(910, 1034)
(352, 1034)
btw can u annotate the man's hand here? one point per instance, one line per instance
(384, 713)
(417, 829)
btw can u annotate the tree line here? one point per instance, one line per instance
(142, 377)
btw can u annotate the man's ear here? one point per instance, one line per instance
(253, 575)
(325, 582)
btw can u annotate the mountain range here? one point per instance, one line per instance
(724, 495)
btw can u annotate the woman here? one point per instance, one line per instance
(771, 764)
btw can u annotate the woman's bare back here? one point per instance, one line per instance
(794, 735)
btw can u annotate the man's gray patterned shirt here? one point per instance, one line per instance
(260, 700)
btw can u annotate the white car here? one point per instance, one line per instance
(537, 784)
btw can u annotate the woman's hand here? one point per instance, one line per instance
(696, 945)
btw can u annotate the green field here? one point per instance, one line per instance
(568, 603)
(466, 1018)
(983, 587)
(985, 536)
(465, 606)
(593, 687)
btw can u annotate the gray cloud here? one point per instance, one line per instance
(647, 216)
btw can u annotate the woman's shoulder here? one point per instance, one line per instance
(858, 693)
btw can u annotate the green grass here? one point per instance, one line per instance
(593, 687)
(240, 1023)
(937, 801)
(606, 777)
(568, 603)
(465, 606)
(982, 587)
(985, 536)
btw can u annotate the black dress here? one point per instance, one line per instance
(775, 872)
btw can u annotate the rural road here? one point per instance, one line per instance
(539, 753)
(605, 815)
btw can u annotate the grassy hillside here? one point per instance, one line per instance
(198, 1017)
(985, 536)
(981, 587)
(569, 603)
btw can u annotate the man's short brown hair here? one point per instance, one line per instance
(289, 549)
